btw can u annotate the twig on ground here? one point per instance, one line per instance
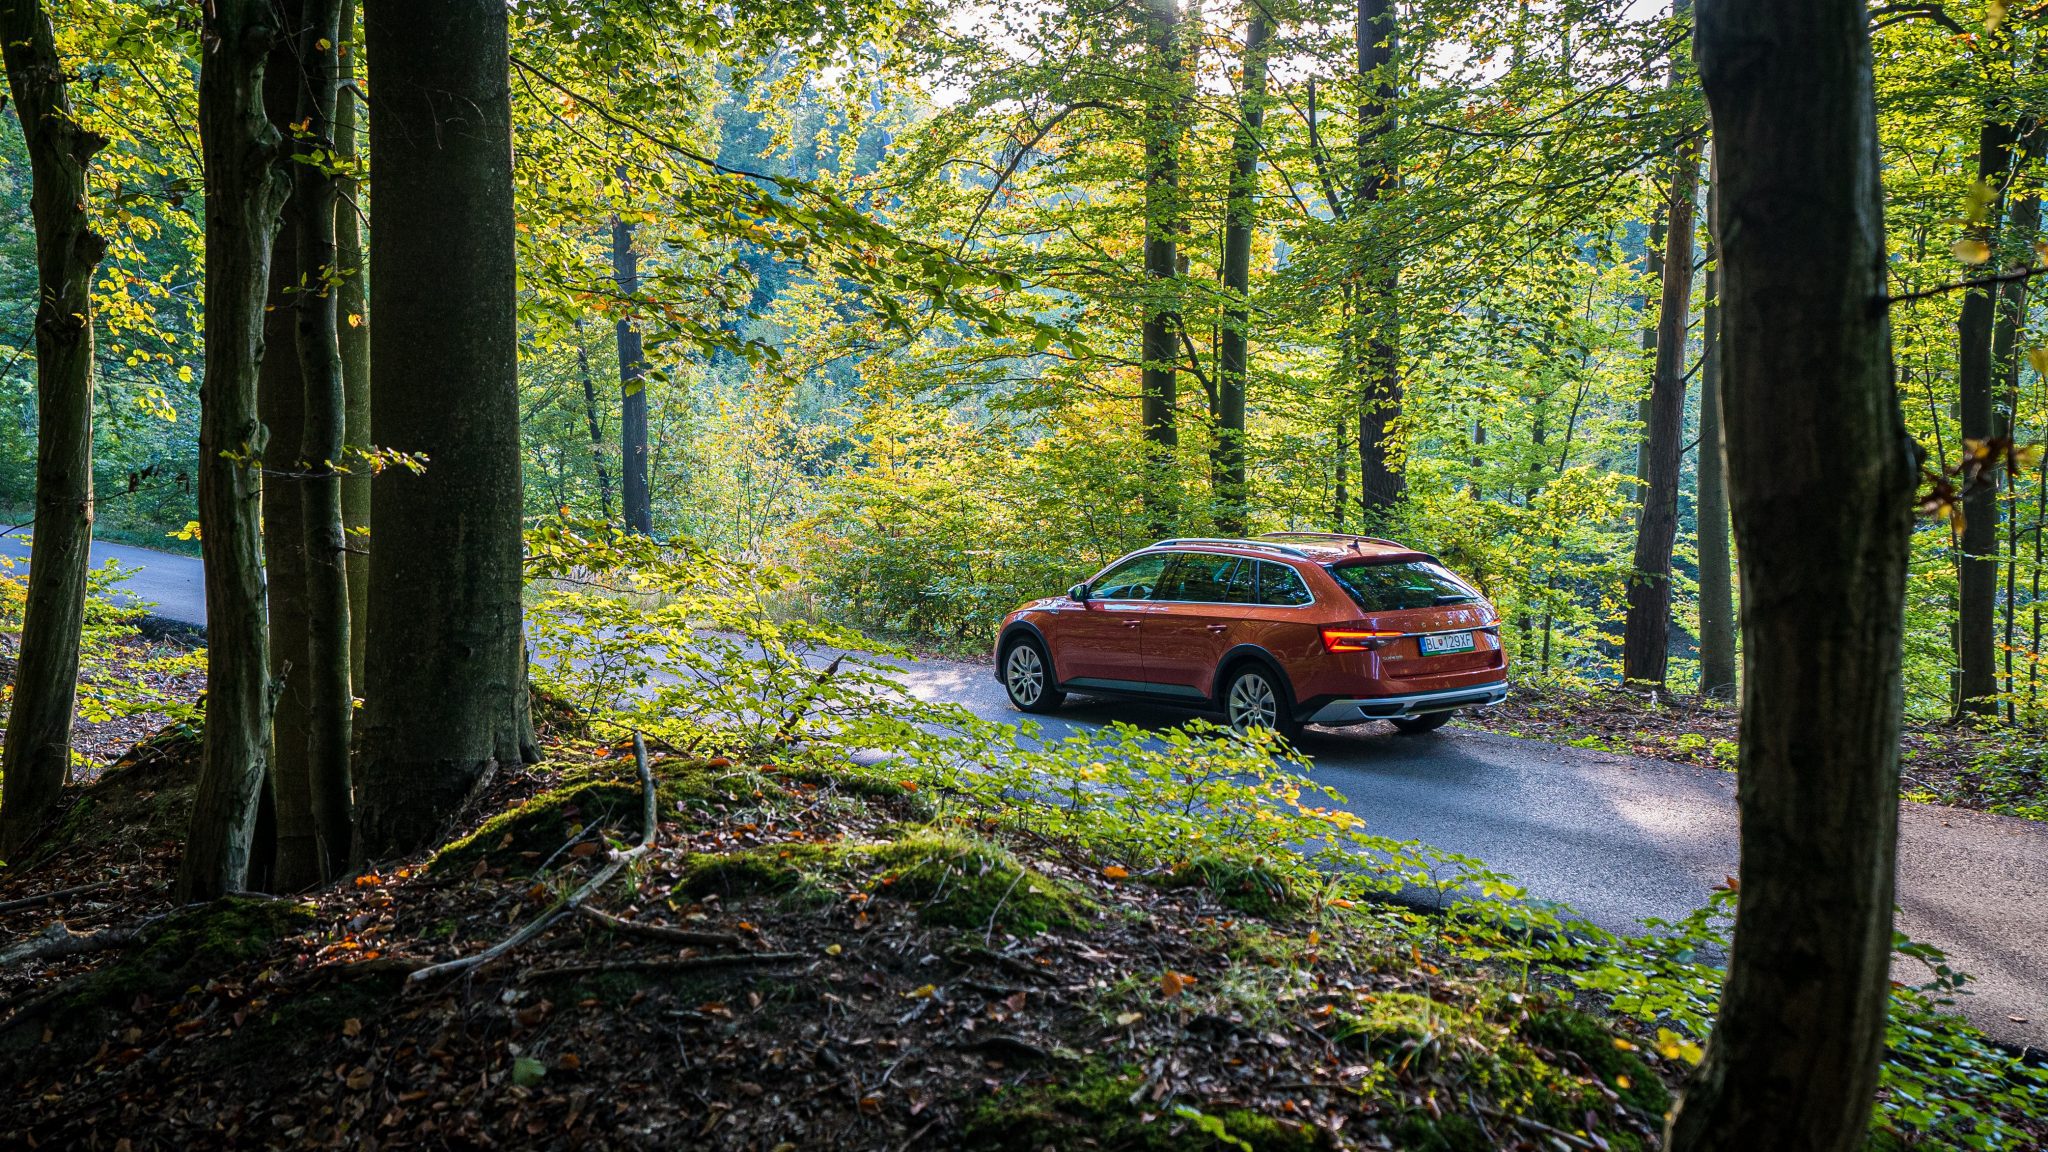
(673, 964)
(58, 941)
(574, 900)
(660, 932)
(45, 898)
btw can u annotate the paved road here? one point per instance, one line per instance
(173, 585)
(1617, 838)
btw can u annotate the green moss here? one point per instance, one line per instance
(1566, 1030)
(1243, 883)
(522, 837)
(797, 873)
(1454, 1132)
(962, 883)
(1091, 1108)
(194, 946)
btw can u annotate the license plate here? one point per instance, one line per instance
(1446, 642)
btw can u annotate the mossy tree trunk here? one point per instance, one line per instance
(38, 752)
(1377, 345)
(1159, 334)
(246, 185)
(1977, 559)
(635, 499)
(1717, 576)
(446, 692)
(352, 306)
(1821, 475)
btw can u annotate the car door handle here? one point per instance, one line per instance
(1219, 628)
(1130, 623)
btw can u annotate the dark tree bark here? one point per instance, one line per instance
(1717, 592)
(38, 753)
(1240, 214)
(446, 693)
(1646, 643)
(353, 336)
(1159, 336)
(246, 185)
(2023, 228)
(280, 387)
(604, 476)
(1977, 560)
(1378, 342)
(1821, 475)
(635, 500)
(330, 700)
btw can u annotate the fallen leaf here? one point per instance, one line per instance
(526, 1071)
(1126, 1019)
(351, 1027)
(1173, 984)
(1116, 872)
(359, 1079)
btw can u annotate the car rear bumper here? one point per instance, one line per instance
(1361, 709)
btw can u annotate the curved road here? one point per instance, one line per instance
(1615, 837)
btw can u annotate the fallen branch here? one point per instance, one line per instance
(45, 898)
(675, 964)
(574, 900)
(59, 940)
(661, 932)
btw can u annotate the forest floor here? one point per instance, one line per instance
(1992, 769)
(801, 961)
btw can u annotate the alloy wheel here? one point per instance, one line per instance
(1252, 703)
(1024, 675)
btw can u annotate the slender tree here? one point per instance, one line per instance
(246, 185)
(330, 700)
(1646, 644)
(1717, 577)
(604, 476)
(446, 693)
(1240, 215)
(634, 497)
(38, 752)
(353, 335)
(1160, 334)
(1820, 476)
(1977, 559)
(1377, 345)
(2023, 230)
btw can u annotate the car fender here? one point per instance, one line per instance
(1241, 653)
(1018, 628)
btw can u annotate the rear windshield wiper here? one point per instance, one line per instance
(1454, 598)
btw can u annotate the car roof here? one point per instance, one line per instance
(1321, 547)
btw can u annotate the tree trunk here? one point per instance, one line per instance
(281, 396)
(330, 701)
(634, 498)
(1717, 592)
(246, 185)
(1653, 266)
(1158, 348)
(38, 752)
(604, 477)
(2023, 228)
(1977, 561)
(446, 700)
(353, 336)
(1646, 634)
(1821, 477)
(1240, 214)
(1379, 314)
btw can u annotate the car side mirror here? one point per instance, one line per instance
(1078, 592)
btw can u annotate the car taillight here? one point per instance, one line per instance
(1356, 640)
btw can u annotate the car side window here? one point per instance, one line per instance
(1198, 577)
(1244, 584)
(1134, 579)
(1282, 586)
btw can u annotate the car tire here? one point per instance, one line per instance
(1028, 678)
(1254, 697)
(1427, 722)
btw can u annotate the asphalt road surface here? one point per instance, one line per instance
(1617, 838)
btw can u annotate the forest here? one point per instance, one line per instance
(607, 434)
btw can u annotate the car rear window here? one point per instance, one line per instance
(1281, 585)
(1389, 586)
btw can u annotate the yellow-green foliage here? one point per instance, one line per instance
(521, 837)
(1090, 1107)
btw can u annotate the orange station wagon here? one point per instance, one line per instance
(1287, 629)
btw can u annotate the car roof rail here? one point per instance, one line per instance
(1263, 545)
(1341, 536)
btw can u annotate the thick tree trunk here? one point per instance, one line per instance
(1646, 643)
(246, 185)
(352, 303)
(1821, 476)
(1717, 592)
(38, 753)
(280, 388)
(1977, 561)
(604, 476)
(1379, 312)
(1239, 215)
(634, 498)
(330, 700)
(1159, 335)
(446, 700)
